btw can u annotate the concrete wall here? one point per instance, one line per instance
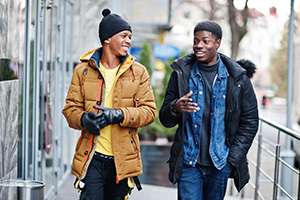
(8, 135)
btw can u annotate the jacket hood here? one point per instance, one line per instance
(235, 68)
(95, 55)
(249, 66)
(183, 62)
(238, 68)
(86, 56)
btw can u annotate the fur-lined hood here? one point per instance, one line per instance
(249, 66)
(240, 67)
(236, 69)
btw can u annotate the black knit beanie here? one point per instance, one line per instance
(111, 24)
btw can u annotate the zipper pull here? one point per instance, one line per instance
(134, 101)
(139, 154)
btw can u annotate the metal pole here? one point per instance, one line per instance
(276, 172)
(26, 85)
(288, 155)
(63, 65)
(36, 157)
(71, 63)
(257, 176)
(57, 68)
(298, 182)
(43, 86)
(290, 71)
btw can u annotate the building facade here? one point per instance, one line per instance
(36, 57)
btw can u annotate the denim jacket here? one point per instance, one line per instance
(241, 118)
(218, 149)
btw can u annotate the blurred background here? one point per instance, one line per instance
(41, 42)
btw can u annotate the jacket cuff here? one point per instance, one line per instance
(173, 113)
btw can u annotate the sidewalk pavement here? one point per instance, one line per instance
(149, 192)
(67, 191)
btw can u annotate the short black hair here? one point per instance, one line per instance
(209, 26)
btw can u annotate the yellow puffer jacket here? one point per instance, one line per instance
(132, 94)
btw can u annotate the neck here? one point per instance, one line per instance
(109, 60)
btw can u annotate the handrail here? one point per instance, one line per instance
(280, 127)
(271, 171)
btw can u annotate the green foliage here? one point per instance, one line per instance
(279, 61)
(156, 128)
(145, 57)
(5, 72)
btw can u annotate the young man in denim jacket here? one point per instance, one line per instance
(211, 99)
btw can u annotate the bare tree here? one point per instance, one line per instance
(237, 19)
(238, 25)
(279, 60)
(210, 11)
(214, 7)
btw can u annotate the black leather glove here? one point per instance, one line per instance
(109, 116)
(89, 121)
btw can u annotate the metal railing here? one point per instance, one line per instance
(268, 150)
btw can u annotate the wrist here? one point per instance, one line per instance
(82, 119)
(173, 107)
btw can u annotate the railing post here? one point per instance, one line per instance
(289, 155)
(258, 163)
(286, 174)
(299, 183)
(276, 172)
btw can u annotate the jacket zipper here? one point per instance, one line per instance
(136, 146)
(99, 96)
(88, 153)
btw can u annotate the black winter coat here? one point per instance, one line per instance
(241, 119)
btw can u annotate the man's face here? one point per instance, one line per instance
(120, 43)
(205, 47)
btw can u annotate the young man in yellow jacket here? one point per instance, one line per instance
(109, 98)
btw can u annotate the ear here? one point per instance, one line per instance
(106, 41)
(218, 44)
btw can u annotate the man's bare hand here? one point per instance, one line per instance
(186, 104)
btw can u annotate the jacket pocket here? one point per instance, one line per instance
(131, 146)
(219, 102)
(77, 164)
(79, 142)
(241, 175)
(82, 142)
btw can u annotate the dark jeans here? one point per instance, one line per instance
(100, 182)
(203, 183)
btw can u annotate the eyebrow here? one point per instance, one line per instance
(202, 37)
(125, 33)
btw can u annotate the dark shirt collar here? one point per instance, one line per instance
(209, 68)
